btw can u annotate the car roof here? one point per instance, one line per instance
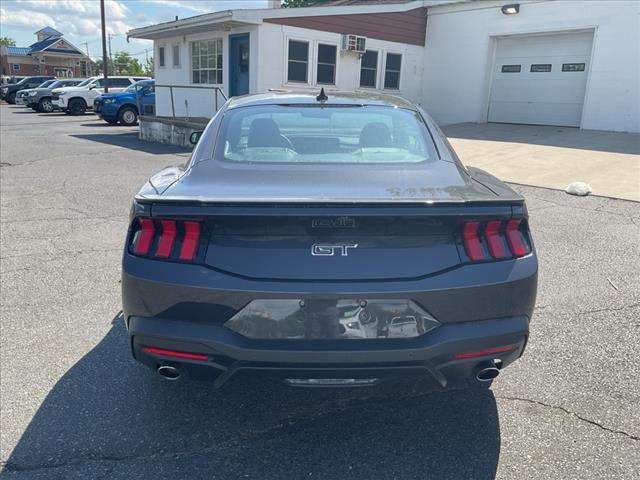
(301, 97)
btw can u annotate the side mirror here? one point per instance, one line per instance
(194, 137)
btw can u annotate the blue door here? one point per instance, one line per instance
(239, 64)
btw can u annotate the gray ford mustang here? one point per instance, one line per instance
(327, 241)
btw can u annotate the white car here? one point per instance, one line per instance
(77, 99)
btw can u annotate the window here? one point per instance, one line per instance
(206, 61)
(83, 69)
(573, 67)
(312, 133)
(15, 67)
(511, 68)
(369, 69)
(326, 64)
(176, 56)
(119, 82)
(392, 71)
(298, 61)
(161, 57)
(540, 67)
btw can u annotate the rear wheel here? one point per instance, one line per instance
(77, 106)
(45, 105)
(128, 116)
(11, 98)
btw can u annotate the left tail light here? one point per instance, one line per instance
(167, 239)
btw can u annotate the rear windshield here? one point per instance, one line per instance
(324, 134)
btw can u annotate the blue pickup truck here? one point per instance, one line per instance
(124, 107)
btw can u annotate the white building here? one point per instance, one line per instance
(548, 62)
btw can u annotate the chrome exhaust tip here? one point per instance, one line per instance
(168, 372)
(486, 371)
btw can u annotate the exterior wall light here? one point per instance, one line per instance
(511, 9)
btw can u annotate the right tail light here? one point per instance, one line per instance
(496, 239)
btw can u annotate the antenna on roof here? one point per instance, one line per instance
(322, 97)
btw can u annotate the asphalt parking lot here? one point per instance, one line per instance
(74, 405)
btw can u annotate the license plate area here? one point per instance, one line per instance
(331, 319)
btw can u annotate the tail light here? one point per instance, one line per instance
(496, 239)
(180, 240)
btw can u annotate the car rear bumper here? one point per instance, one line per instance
(185, 307)
(431, 356)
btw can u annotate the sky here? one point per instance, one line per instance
(79, 20)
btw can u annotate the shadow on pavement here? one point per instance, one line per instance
(109, 411)
(131, 140)
(566, 137)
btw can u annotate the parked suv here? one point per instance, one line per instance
(8, 92)
(124, 107)
(76, 100)
(40, 98)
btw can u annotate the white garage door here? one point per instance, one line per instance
(540, 80)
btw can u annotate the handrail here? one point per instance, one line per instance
(216, 89)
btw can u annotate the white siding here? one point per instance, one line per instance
(461, 40)
(273, 61)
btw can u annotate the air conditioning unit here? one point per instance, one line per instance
(354, 43)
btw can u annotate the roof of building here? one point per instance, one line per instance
(49, 31)
(18, 51)
(241, 17)
(342, 3)
(47, 42)
(308, 96)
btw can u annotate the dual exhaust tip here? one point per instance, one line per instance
(168, 372)
(487, 371)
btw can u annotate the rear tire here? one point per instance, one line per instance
(44, 105)
(77, 106)
(11, 98)
(128, 116)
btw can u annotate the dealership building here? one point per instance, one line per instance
(541, 62)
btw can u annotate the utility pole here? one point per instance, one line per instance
(110, 57)
(105, 60)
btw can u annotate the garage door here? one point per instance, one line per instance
(540, 80)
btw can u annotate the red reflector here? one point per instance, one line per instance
(489, 351)
(472, 242)
(145, 237)
(167, 237)
(514, 237)
(173, 353)
(190, 241)
(494, 241)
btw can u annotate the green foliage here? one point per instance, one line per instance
(7, 42)
(300, 3)
(125, 64)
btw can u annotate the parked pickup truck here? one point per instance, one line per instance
(21, 95)
(76, 100)
(124, 107)
(39, 98)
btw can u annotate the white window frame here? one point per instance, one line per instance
(317, 63)
(377, 75)
(384, 71)
(190, 48)
(164, 56)
(175, 48)
(309, 61)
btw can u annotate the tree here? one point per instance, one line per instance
(300, 3)
(7, 42)
(148, 67)
(125, 64)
